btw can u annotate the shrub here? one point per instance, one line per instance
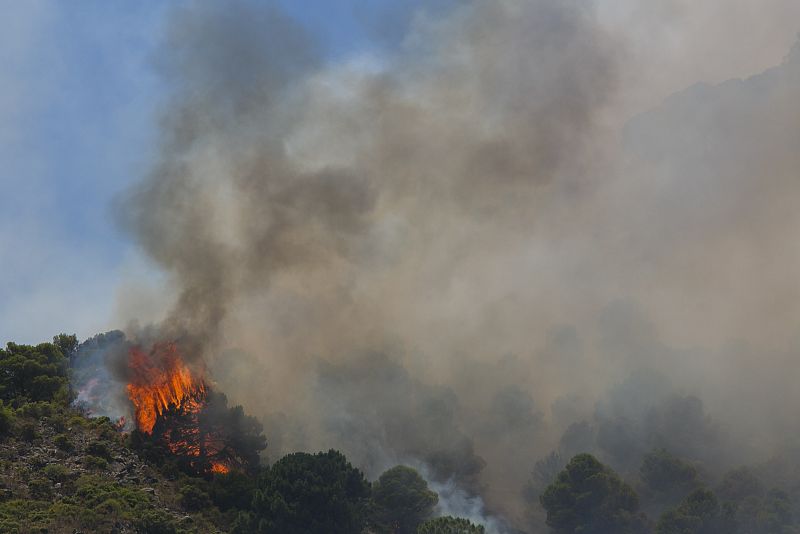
(232, 490)
(40, 488)
(35, 410)
(155, 522)
(57, 422)
(78, 421)
(93, 462)
(27, 431)
(100, 449)
(62, 442)
(194, 498)
(19, 514)
(56, 472)
(7, 419)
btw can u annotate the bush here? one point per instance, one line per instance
(62, 442)
(7, 419)
(57, 422)
(22, 515)
(40, 488)
(100, 449)
(232, 490)
(155, 522)
(93, 462)
(194, 499)
(56, 472)
(35, 410)
(78, 421)
(27, 431)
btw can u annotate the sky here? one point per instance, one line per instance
(79, 100)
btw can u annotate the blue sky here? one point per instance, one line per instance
(78, 109)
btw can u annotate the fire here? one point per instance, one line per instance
(160, 380)
(219, 468)
(171, 404)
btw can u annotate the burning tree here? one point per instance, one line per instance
(175, 408)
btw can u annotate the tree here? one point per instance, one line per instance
(756, 510)
(590, 498)
(700, 513)
(66, 343)
(740, 484)
(29, 373)
(197, 440)
(402, 500)
(309, 494)
(450, 525)
(663, 473)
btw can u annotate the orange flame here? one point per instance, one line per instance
(160, 379)
(219, 468)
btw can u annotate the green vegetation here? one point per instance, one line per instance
(588, 497)
(402, 500)
(309, 494)
(61, 471)
(662, 472)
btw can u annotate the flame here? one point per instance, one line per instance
(160, 380)
(219, 468)
(168, 398)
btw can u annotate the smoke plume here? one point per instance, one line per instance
(478, 248)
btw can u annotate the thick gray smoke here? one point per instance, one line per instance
(463, 254)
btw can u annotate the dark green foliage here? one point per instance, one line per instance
(27, 431)
(66, 343)
(94, 462)
(194, 498)
(30, 373)
(57, 422)
(19, 514)
(100, 449)
(232, 491)
(402, 500)
(35, 410)
(40, 488)
(309, 494)
(155, 522)
(62, 442)
(662, 472)
(700, 513)
(7, 419)
(589, 498)
(56, 472)
(449, 525)
(99, 503)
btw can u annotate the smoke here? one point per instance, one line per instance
(451, 252)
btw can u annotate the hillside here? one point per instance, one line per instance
(62, 471)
